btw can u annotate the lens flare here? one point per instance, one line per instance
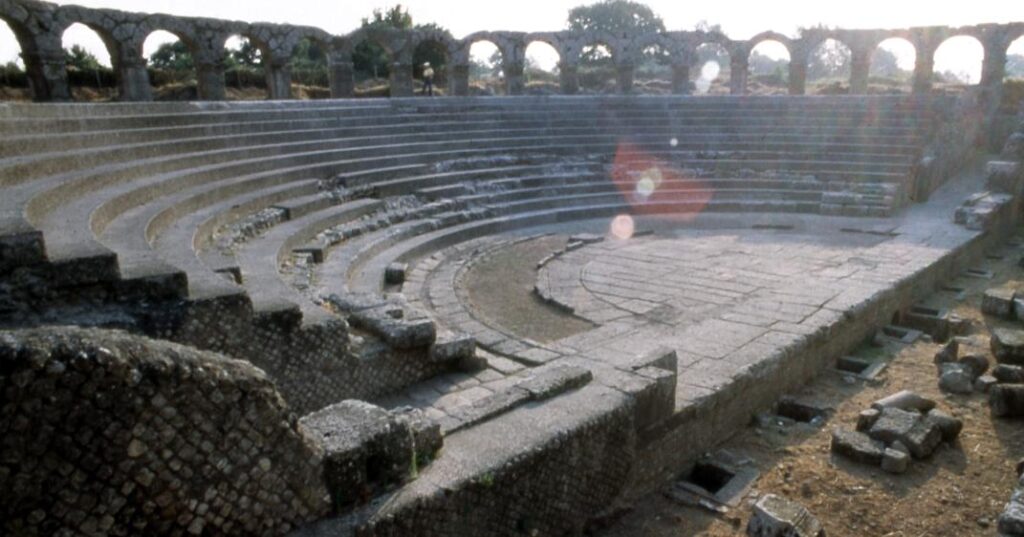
(708, 73)
(622, 227)
(673, 142)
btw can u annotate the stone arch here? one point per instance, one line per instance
(436, 48)
(12, 66)
(892, 63)
(655, 57)
(1015, 58)
(310, 67)
(597, 61)
(245, 60)
(830, 60)
(486, 72)
(100, 81)
(767, 68)
(953, 67)
(541, 61)
(170, 60)
(382, 60)
(711, 70)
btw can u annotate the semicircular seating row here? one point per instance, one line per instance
(139, 193)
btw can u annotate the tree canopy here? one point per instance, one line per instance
(79, 58)
(172, 57)
(616, 17)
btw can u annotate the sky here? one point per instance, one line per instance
(739, 19)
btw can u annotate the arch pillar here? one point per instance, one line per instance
(738, 66)
(860, 66)
(514, 81)
(133, 80)
(210, 84)
(341, 76)
(924, 67)
(681, 80)
(401, 79)
(797, 75)
(47, 75)
(569, 79)
(459, 81)
(279, 78)
(624, 74)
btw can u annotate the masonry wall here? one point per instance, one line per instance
(103, 433)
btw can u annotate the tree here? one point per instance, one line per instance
(371, 58)
(81, 59)
(1015, 65)
(830, 59)
(246, 56)
(172, 57)
(616, 17)
(885, 64)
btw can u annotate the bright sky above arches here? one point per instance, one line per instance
(738, 18)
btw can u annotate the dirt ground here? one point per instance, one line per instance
(959, 491)
(501, 285)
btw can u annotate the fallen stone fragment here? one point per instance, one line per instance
(1011, 521)
(923, 439)
(775, 516)
(956, 378)
(998, 301)
(905, 400)
(451, 347)
(900, 446)
(948, 425)
(976, 362)
(948, 353)
(867, 418)
(1006, 400)
(984, 383)
(894, 424)
(895, 462)
(1010, 374)
(857, 446)
(1008, 345)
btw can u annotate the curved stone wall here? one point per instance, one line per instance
(40, 25)
(105, 433)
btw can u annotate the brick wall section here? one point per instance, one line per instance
(104, 433)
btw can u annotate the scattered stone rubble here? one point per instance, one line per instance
(894, 430)
(1011, 521)
(961, 374)
(775, 516)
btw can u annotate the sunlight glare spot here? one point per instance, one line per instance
(622, 227)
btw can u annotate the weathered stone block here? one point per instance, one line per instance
(867, 418)
(905, 400)
(1009, 374)
(547, 382)
(922, 439)
(1008, 345)
(998, 301)
(449, 347)
(893, 424)
(948, 425)
(1006, 400)
(984, 383)
(895, 461)
(977, 363)
(775, 516)
(366, 449)
(426, 433)
(949, 352)
(956, 378)
(1011, 521)
(857, 446)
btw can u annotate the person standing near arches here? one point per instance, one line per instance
(428, 80)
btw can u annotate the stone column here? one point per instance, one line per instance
(133, 80)
(797, 76)
(210, 83)
(993, 68)
(569, 79)
(738, 75)
(515, 83)
(47, 76)
(401, 80)
(923, 68)
(860, 66)
(279, 79)
(681, 80)
(624, 77)
(342, 79)
(459, 81)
